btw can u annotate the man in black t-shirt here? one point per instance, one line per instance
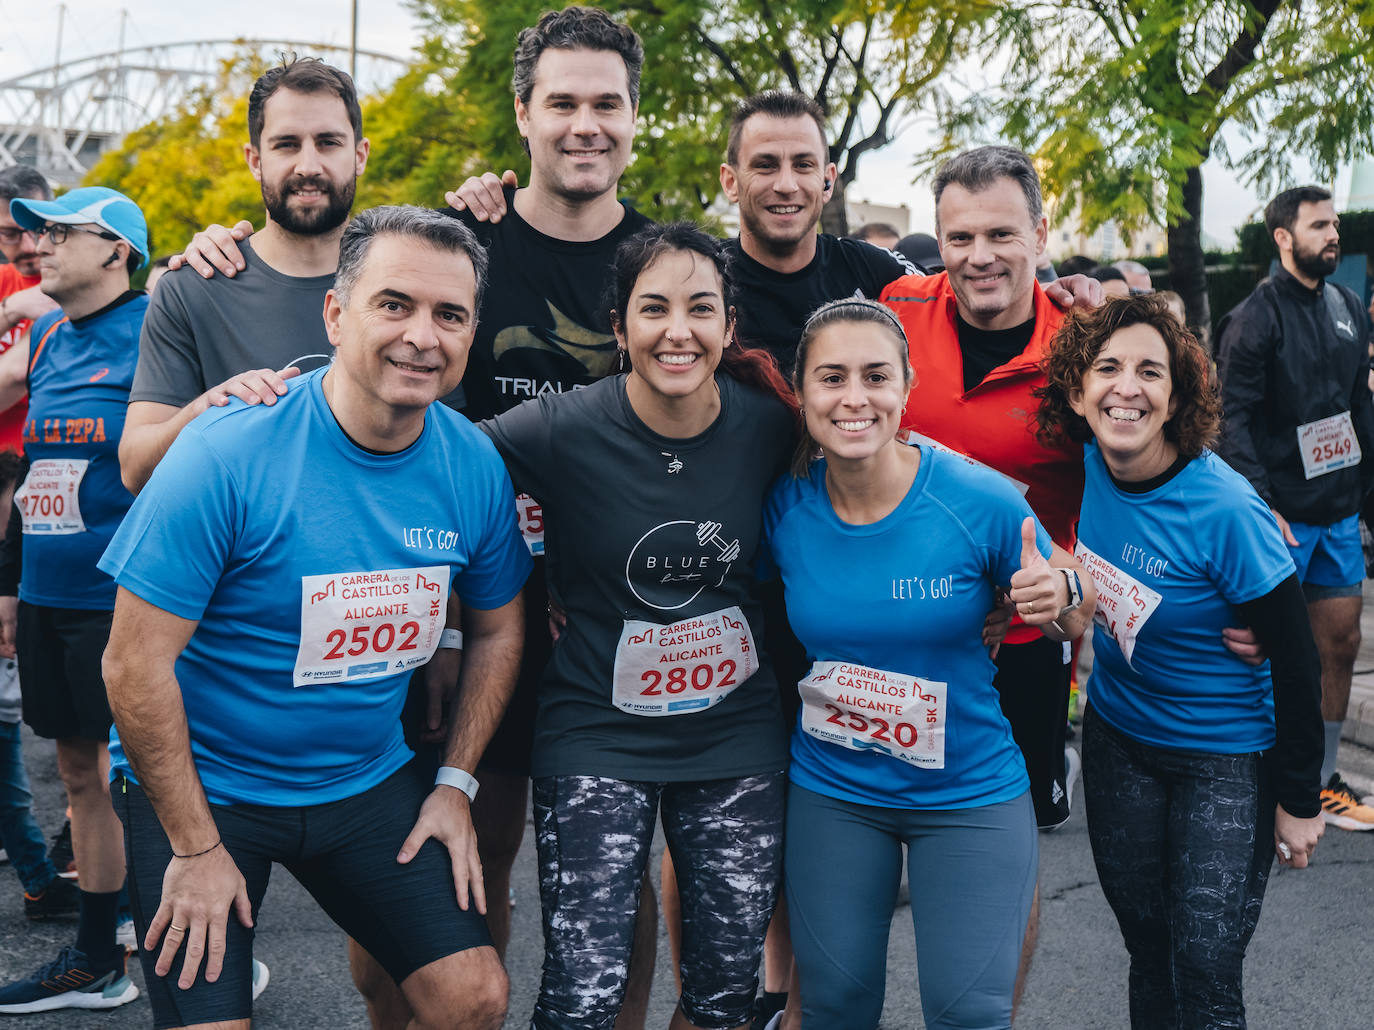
(544, 327)
(777, 169)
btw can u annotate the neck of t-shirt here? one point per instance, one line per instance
(571, 220)
(986, 349)
(105, 309)
(1144, 486)
(297, 256)
(786, 261)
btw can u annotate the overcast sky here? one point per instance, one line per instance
(28, 40)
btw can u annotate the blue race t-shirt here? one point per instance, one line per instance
(905, 596)
(1170, 565)
(72, 500)
(317, 572)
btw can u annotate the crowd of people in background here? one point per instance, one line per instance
(355, 537)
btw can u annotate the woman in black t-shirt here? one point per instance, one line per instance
(657, 696)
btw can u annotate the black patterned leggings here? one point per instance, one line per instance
(593, 835)
(1183, 843)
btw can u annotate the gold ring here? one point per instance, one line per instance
(178, 929)
(1030, 607)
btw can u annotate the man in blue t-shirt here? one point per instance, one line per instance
(280, 575)
(76, 365)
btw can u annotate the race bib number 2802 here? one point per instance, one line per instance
(684, 666)
(361, 625)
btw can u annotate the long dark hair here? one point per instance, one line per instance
(752, 366)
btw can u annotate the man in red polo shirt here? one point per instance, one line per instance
(20, 299)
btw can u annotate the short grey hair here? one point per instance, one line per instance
(975, 170)
(23, 182)
(418, 223)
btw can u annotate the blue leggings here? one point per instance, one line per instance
(1183, 843)
(972, 874)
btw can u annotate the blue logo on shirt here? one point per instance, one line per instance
(367, 669)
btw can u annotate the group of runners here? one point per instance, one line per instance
(377, 518)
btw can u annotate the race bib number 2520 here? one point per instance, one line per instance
(361, 625)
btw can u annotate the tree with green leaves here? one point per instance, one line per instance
(1122, 101)
(868, 63)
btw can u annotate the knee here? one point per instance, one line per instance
(475, 1000)
(78, 764)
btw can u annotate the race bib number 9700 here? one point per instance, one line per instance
(49, 501)
(683, 667)
(865, 709)
(361, 625)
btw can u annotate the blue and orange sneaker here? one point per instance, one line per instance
(70, 981)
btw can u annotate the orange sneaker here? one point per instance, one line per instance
(1341, 806)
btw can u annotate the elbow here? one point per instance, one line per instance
(131, 468)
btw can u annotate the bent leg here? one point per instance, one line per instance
(843, 867)
(972, 873)
(464, 991)
(1127, 806)
(1221, 823)
(726, 839)
(593, 835)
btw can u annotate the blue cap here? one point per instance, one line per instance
(107, 208)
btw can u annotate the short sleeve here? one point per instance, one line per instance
(169, 369)
(176, 541)
(500, 563)
(1247, 557)
(524, 437)
(1008, 554)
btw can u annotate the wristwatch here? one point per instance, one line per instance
(1075, 592)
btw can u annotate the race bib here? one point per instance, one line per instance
(1124, 604)
(1327, 445)
(865, 709)
(361, 625)
(49, 501)
(531, 515)
(683, 667)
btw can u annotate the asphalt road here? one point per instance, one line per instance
(1309, 966)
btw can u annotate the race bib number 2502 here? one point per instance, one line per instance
(361, 625)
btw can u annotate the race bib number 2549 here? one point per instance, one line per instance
(361, 625)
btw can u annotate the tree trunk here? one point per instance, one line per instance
(834, 217)
(1187, 267)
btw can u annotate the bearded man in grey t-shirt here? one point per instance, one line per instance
(210, 338)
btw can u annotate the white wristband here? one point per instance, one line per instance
(449, 776)
(452, 639)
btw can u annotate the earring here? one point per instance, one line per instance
(621, 357)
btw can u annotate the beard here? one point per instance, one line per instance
(1316, 264)
(313, 221)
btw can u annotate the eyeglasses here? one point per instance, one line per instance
(11, 235)
(59, 232)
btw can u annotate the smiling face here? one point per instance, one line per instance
(403, 334)
(1126, 397)
(579, 123)
(307, 161)
(675, 327)
(779, 182)
(990, 245)
(853, 388)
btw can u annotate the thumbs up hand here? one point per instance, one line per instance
(1037, 590)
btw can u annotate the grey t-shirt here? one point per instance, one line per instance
(200, 332)
(641, 532)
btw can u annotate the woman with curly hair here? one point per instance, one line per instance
(1197, 768)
